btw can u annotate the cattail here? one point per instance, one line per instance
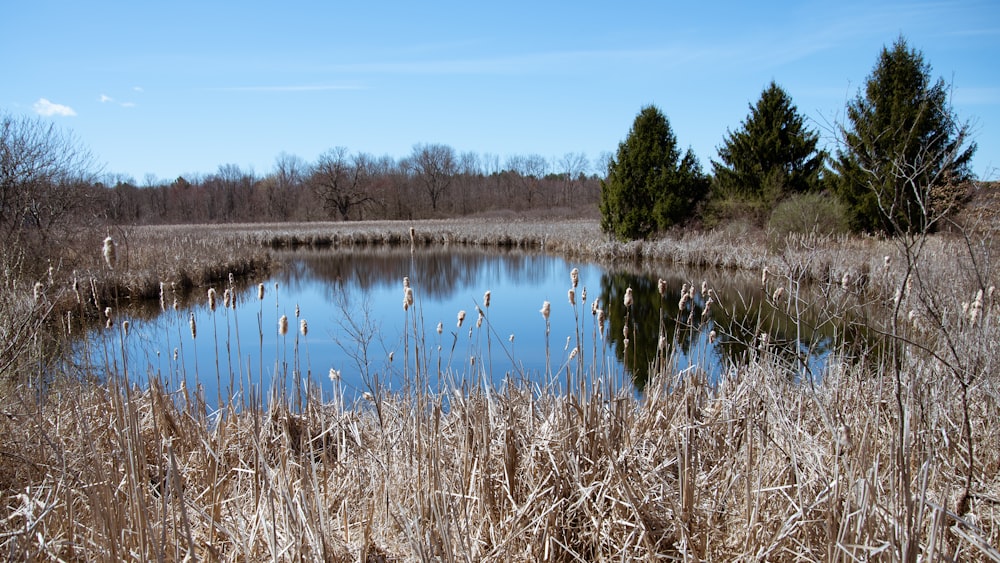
(194, 327)
(600, 320)
(177, 354)
(778, 294)
(684, 298)
(511, 338)
(125, 326)
(845, 281)
(391, 356)
(628, 297)
(573, 353)
(572, 297)
(260, 291)
(303, 327)
(546, 309)
(976, 308)
(211, 298)
(227, 298)
(461, 318)
(583, 295)
(110, 255)
(368, 397)
(595, 306)
(407, 298)
(283, 325)
(574, 276)
(297, 312)
(568, 339)
(711, 337)
(662, 344)
(107, 315)
(479, 319)
(334, 375)
(486, 299)
(885, 264)
(232, 279)
(163, 296)
(39, 291)
(625, 344)
(708, 306)
(177, 304)
(406, 282)
(661, 286)
(704, 288)
(763, 277)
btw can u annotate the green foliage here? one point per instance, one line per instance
(772, 155)
(812, 212)
(650, 185)
(901, 143)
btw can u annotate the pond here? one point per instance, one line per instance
(349, 332)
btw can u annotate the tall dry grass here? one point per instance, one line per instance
(870, 462)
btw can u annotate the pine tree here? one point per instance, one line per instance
(772, 155)
(902, 144)
(649, 184)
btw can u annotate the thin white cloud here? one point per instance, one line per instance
(48, 109)
(137, 89)
(105, 99)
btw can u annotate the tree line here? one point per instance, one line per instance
(435, 180)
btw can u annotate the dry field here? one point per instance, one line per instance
(889, 457)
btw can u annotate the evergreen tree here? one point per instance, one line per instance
(649, 184)
(903, 143)
(772, 155)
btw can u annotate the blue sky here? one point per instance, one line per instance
(180, 88)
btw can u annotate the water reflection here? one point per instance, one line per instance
(352, 303)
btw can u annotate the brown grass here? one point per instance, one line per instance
(871, 463)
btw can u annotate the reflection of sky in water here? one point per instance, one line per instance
(335, 291)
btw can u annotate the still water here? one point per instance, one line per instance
(359, 337)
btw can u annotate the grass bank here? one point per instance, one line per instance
(891, 459)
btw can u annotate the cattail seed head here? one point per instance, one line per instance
(304, 327)
(479, 319)
(845, 281)
(711, 337)
(546, 309)
(662, 344)
(407, 298)
(334, 375)
(163, 295)
(628, 297)
(440, 328)
(572, 296)
(763, 277)
(661, 287)
(573, 353)
(778, 294)
(194, 327)
(125, 327)
(297, 312)
(391, 356)
(461, 318)
(227, 298)
(574, 276)
(511, 338)
(110, 254)
(260, 291)
(211, 298)
(583, 295)
(704, 288)
(486, 299)
(406, 282)
(283, 325)
(39, 291)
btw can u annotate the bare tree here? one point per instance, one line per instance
(44, 179)
(435, 167)
(573, 166)
(341, 181)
